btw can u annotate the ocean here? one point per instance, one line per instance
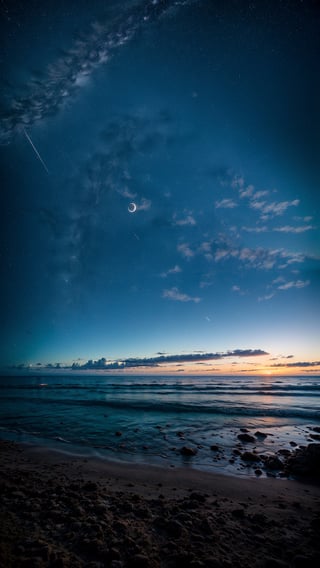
(148, 419)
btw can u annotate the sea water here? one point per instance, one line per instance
(149, 419)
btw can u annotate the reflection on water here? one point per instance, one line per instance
(149, 420)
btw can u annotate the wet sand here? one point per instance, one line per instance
(64, 511)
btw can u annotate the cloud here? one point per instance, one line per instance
(176, 295)
(298, 364)
(188, 220)
(262, 229)
(290, 229)
(185, 250)
(246, 192)
(268, 210)
(143, 205)
(259, 258)
(294, 284)
(103, 364)
(237, 182)
(259, 194)
(205, 247)
(221, 254)
(226, 204)
(283, 229)
(175, 270)
(266, 297)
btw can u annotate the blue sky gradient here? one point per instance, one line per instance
(205, 116)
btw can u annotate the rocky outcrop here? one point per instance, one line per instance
(305, 462)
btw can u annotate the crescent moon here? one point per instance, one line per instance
(132, 207)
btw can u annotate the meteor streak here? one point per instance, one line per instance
(35, 149)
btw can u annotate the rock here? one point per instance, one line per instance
(188, 451)
(315, 436)
(273, 463)
(244, 430)
(305, 461)
(258, 472)
(284, 452)
(214, 448)
(118, 433)
(293, 444)
(246, 438)
(316, 429)
(249, 457)
(260, 435)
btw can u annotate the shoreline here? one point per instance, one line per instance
(65, 510)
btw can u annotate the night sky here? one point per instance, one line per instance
(160, 186)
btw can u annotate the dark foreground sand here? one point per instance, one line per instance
(62, 511)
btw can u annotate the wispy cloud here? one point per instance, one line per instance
(298, 364)
(268, 210)
(185, 250)
(262, 229)
(175, 270)
(283, 229)
(237, 182)
(247, 191)
(176, 295)
(259, 194)
(260, 258)
(226, 204)
(143, 205)
(294, 284)
(266, 298)
(187, 220)
(291, 229)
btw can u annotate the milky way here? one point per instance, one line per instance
(61, 81)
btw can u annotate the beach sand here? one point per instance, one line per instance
(64, 511)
